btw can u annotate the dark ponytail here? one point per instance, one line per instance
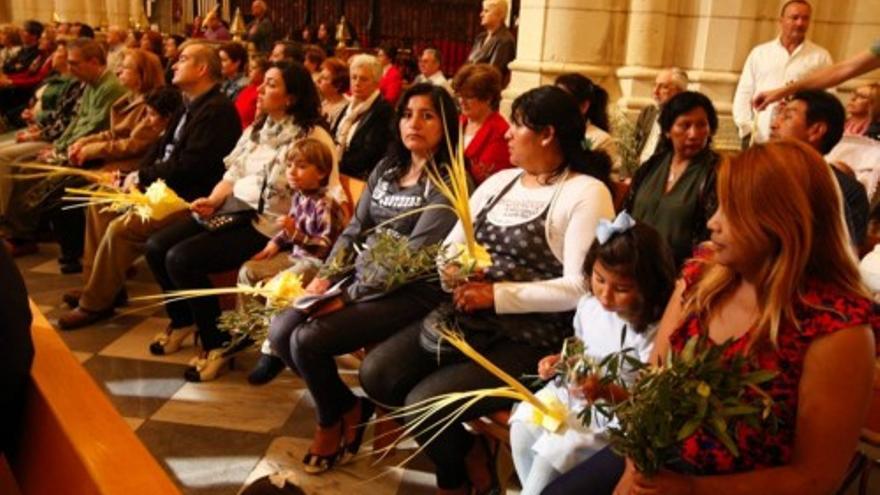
(549, 106)
(584, 90)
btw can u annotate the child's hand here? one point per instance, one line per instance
(270, 250)
(318, 285)
(288, 224)
(547, 366)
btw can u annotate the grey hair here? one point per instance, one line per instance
(434, 53)
(679, 77)
(501, 5)
(206, 54)
(368, 61)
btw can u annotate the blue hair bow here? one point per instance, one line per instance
(606, 230)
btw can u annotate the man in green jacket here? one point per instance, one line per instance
(32, 201)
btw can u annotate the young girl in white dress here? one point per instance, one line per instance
(630, 275)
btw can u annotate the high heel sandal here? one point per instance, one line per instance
(171, 340)
(351, 448)
(317, 463)
(207, 366)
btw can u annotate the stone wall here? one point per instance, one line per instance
(622, 44)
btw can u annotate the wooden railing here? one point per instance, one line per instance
(73, 439)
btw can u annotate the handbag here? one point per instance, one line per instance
(233, 212)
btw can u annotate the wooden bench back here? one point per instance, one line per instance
(73, 439)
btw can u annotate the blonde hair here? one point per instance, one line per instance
(799, 235)
(148, 67)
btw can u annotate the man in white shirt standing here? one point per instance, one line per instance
(776, 63)
(429, 69)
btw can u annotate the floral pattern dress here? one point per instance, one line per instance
(821, 311)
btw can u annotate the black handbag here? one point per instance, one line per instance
(232, 213)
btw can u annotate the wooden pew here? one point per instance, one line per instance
(73, 440)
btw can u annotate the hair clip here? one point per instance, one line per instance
(606, 230)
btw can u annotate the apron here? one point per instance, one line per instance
(520, 253)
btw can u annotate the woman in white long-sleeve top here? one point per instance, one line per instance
(537, 222)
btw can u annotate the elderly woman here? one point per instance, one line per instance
(369, 310)
(478, 88)
(234, 67)
(363, 131)
(333, 81)
(778, 282)
(496, 44)
(863, 112)
(537, 221)
(183, 254)
(672, 191)
(592, 100)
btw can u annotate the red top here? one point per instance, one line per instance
(391, 85)
(33, 76)
(246, 104)
(487, 151)
(823, 310)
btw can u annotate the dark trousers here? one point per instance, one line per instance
(183, 254)
(69, 227)
(598, 475)
(309, 347)
(399, 372)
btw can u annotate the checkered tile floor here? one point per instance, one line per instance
(213, 438)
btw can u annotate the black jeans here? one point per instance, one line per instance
(598, 475)
(399, 372)
(309, 347)
(183, 254)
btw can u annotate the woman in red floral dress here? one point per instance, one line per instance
(779, 279)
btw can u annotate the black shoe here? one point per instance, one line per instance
(70, 267)
(267, 368)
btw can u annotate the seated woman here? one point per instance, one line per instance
(363, 131)
(537, 221)
(333, 81)
(478, 88)
(672, 191)
(863, 112)
(391, 83)
(130, 133)
(779, 280)
(183, 254)
(233, 66)
(630, 275)
(246, 102)
(593, 102)
(58, 107)
(369, 311)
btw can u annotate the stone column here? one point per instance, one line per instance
(557, 36)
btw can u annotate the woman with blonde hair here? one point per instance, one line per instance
(863, 112)
(130, 133)
(779, 282)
